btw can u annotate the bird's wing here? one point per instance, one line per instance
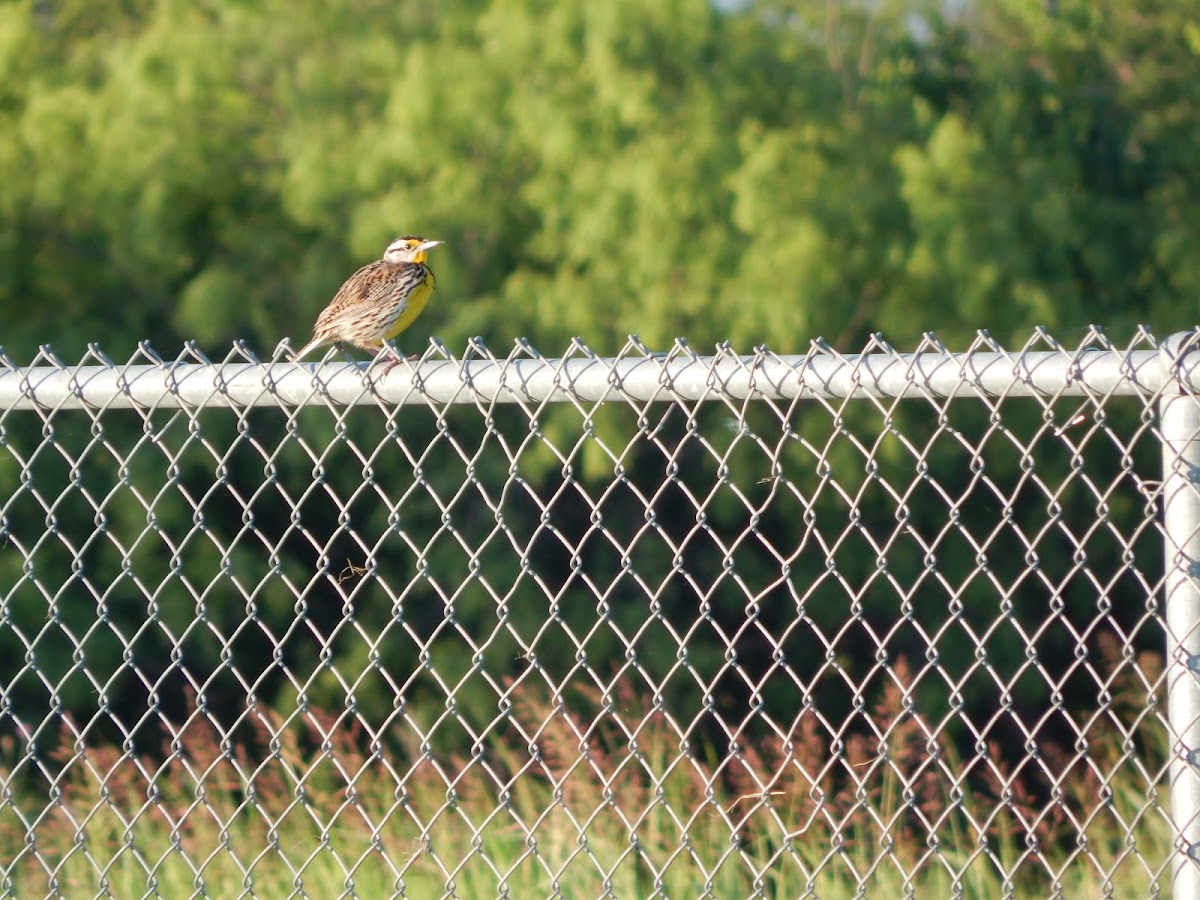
(372, 285)
(360, 289)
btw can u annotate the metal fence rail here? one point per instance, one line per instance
(662, 624)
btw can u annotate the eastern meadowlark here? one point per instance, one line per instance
(378, 301)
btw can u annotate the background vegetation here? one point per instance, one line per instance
(757, 172)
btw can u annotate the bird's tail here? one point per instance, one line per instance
(308, 348)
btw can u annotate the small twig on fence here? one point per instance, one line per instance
(1070, 423)
(351, 571)
(755, 796)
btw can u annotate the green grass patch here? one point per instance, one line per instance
(602, 795)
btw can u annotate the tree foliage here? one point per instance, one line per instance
(762, 172)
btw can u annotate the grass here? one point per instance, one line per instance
(589, 799)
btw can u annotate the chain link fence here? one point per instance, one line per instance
(656, 625)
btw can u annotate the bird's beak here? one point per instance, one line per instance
(427, 245)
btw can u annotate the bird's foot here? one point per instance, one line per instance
(396, 360)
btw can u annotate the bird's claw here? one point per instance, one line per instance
(396, 360)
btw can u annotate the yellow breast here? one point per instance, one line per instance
(415, 304)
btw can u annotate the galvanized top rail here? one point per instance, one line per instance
(1089, 371)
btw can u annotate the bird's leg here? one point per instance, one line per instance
(396, 357)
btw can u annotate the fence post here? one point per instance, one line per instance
(1179, 418)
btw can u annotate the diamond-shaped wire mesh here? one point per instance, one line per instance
(656, 625)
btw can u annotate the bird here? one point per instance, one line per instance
(378, 301)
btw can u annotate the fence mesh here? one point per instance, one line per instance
(650, 637)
